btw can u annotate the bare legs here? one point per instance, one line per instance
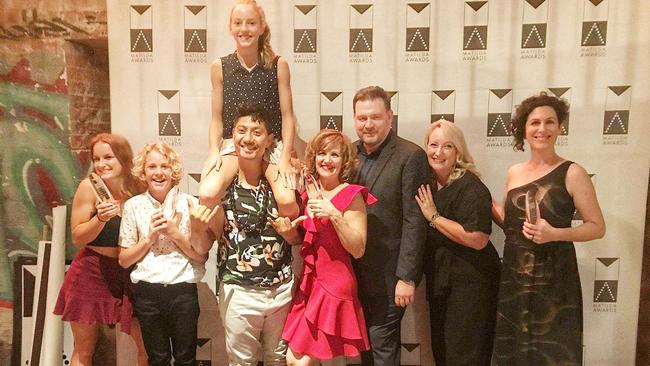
(214, 185)
(85, 338)
(284, 197)
(299, 359)
(137, 338)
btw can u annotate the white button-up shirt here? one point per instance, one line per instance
(165, 263)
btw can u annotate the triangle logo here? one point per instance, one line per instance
(361, 8)
(305, 9)
(418, 7)
(331, 95)
(140, 8)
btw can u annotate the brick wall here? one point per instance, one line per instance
(88, 91)
(55, 94)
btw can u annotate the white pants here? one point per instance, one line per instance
(253, 319)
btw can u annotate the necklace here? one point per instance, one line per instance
(250, 228)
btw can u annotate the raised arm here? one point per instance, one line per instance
(215, 132)
(288, 118)
(471, 236)
(205, 226)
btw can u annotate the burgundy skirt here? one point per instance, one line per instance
(96, 289)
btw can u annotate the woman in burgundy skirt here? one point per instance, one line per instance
(96, 290)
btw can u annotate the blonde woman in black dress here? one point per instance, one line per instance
(539, 317)
(461, 265)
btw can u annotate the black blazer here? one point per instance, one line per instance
(396, 228)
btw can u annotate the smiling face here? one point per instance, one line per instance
(442, 154)
(158, 175)
(542, 128)
(250, 138)
(373, 122)
(246, 25)
(329, 162)
(105, 163)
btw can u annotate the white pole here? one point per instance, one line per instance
(47, 341)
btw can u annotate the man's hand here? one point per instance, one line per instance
(200, 216)
(287, 228)
(404, 293)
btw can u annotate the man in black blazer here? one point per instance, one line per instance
(392, 168)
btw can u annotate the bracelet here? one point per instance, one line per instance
(432, 220)
(100, 220)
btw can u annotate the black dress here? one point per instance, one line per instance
(539, 319)
(462, 283)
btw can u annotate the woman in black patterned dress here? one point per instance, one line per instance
(539, 317)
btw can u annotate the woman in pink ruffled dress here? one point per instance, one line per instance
(326, 319)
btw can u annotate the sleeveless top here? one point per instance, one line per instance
(258, 87)
(110, 234)
(554, 201)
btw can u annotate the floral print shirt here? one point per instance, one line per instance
(251, 252)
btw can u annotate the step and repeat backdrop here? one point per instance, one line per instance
(467, 61)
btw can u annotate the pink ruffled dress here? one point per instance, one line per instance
(326, 318)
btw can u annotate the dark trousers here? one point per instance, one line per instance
(383, 319)
(463, 316)
(168, 313)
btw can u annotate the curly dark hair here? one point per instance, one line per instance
(324, 139)
(518, 123)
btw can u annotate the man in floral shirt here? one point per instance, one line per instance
(254, 259)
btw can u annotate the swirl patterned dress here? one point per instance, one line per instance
(326, 318)
(539, 317)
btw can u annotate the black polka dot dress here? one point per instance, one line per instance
(258, 87)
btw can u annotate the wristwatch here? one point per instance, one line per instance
(432, 220)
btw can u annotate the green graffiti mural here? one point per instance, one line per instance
(38, 171)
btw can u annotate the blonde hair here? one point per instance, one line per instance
(324, 139)
(140, 161)
(264, 49)
(464, 160)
